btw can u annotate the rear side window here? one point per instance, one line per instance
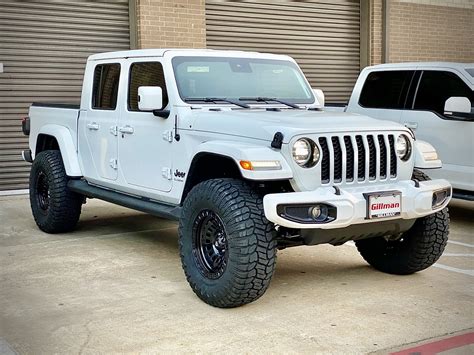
(438, 86)
(145, 74)
(105, 86)
(386, 89)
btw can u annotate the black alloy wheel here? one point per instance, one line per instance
(42, 192)
(56, 209)
(210, 249)
(227, 246)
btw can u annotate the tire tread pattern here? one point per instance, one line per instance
(250, 235)
(65, 205)
(423, 244)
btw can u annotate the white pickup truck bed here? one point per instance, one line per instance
(55, 118)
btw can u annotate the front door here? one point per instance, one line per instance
(144, 140)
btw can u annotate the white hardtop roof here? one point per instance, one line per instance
(137, 53)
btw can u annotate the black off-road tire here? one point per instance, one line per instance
(417, 249)
(55, 208)
(246, 242)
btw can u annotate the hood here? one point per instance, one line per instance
(262, 124)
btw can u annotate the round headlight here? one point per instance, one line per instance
(403, 147)
(305, 152)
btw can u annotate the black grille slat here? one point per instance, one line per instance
(383, 157)
(393, 157)
(337, 159)
(349, 159)
(361, 158)
(379, 149)
(325, 171)
(372, 158)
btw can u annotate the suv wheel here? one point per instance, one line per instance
(227, 246)
(415, 250)
(55, 208)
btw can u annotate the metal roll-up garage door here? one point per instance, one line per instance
(43, 49)
(323, 36)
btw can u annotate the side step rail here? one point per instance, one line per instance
(136, 203)
(463, 194)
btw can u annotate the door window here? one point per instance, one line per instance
(438, 86)
(145, 74)
(105, 86)
(387, 89)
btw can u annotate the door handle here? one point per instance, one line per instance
(126, 129)
(93, 126)
(411, 125)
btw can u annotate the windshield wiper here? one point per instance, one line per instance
(214, 100)
(268, 99)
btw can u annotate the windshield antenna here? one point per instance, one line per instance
(177, 137)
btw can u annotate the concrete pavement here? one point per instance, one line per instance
(116, 285)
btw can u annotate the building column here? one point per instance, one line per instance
(376, 32)
(170, 23)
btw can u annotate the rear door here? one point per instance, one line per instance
(97, 125)
(453, 139)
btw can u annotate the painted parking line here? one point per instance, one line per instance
(458, 254)
(439, 346)
(454, 269)
(460, 243)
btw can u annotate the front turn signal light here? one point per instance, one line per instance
(260, 164)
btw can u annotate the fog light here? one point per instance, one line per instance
(315, 212)
(308, 213)
(440, 197)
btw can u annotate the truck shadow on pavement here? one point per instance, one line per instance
(159, 237)
(461, 211)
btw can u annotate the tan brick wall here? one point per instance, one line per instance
(467, 4)
(420, 31)
(376, 32)
(171, 24)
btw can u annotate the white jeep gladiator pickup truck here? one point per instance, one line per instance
(436, 101)
(236, 147)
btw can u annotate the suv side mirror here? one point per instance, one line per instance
(150, 98)
(319, 96)
(457, 105)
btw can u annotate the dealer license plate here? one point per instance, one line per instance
(384, 204)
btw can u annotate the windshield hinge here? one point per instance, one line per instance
(168, 136)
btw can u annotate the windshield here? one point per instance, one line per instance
(235, 78)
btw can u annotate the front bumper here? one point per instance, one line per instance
(351, 204)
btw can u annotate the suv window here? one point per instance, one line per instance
(438, 86)
(387, 89)
(105, 86)
(145, 74)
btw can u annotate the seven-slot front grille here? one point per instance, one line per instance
(361, 157)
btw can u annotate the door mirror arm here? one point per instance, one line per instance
(161, 113)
